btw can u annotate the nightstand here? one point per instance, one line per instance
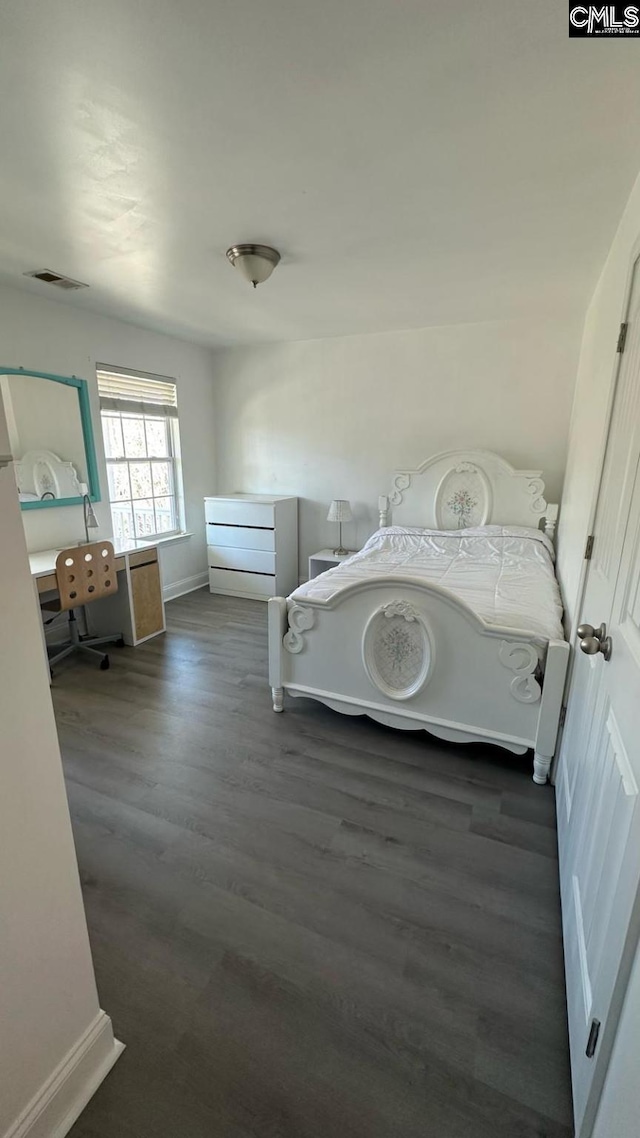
(326, 559)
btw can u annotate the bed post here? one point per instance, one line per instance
(551, 521)
(383, 508)
(555, 671)
(277, 620)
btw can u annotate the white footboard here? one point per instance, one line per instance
(412, 655)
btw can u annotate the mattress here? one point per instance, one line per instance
(504, 573)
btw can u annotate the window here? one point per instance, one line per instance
(140, 427)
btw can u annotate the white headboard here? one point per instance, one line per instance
(41, 472)
(460, 488)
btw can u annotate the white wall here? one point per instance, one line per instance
(44, 335)
(333, 418)
(596, 373)
(48, 999)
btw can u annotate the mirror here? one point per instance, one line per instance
(51, 439)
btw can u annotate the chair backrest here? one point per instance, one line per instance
(86, 573)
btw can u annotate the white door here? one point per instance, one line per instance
(599, 772)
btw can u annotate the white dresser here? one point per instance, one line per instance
(252, 545)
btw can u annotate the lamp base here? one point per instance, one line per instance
(340, 552)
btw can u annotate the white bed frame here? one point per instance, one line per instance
(410, 653)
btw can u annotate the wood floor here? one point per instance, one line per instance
(306, 925)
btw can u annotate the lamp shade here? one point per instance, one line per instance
(90, 517)
(339, 511)
(255, 262)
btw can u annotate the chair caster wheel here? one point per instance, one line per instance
(104, 664)
(120, 642)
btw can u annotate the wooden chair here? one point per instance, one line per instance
(85, 573)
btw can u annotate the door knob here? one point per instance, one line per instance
(587, 630)
(594, 640)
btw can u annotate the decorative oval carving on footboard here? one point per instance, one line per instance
(397, 650)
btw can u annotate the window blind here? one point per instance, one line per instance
(136, 393)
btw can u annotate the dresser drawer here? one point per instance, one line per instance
(240, 537)
(226, 511)
(253, 584)
(249, 560)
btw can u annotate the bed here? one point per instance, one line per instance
(448, 620)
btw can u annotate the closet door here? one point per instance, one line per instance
(598, 783)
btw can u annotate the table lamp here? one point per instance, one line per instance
(339, 511)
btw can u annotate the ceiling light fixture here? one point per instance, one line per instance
(255, 262)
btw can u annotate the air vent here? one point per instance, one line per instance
(55, 279)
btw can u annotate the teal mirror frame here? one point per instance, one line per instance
(93, 480)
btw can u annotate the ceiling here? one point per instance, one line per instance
(416, 163)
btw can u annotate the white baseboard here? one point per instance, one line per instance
(187, 585)
(56, 1106)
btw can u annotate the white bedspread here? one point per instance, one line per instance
(504, 573)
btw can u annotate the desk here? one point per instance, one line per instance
(136, 610)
